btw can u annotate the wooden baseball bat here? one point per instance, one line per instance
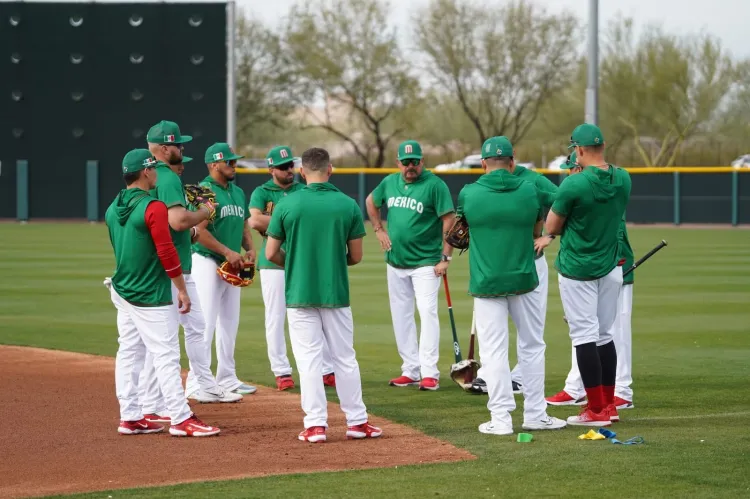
(456, 345)
(469, 377)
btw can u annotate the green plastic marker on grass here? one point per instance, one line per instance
(525, 438)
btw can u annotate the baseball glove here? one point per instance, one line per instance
(268, 211)
(458, 235)
(200, 196)
(239, 278)
(464, 373)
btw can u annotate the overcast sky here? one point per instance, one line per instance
(726, 19)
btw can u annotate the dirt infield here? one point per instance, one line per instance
(64, 413)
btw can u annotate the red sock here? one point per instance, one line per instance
(595, 397)
(609, 395)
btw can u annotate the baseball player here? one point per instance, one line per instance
(317, 292)
(166, 144)
(420, 211)
(587, 212)
(574, 393)
(546, 191)
(262, 202)
(222, 240)
(504, 215)
(145, 262)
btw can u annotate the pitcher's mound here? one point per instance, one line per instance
(64, 438)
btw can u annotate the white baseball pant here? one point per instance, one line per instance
(199, 356)
(528, 312)
(541, 291)
(309, 330)
(221, 310)
(273, 288)
(142, 330)
(404, 286)
(622, 334)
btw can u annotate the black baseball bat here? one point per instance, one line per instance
(645, 257)
(456, 345)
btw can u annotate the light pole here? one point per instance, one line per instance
(592, 87)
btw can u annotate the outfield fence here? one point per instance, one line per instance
(676, 195)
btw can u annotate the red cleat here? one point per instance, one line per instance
(138, 427)
(329, 380)
(429, 384)
(613, 415)
(193, 427)
(314, 434)
(284, 382)
(157, 418)
(621, 403)
(562, 398)
(364, 430)
(587, 417)
(403, 381)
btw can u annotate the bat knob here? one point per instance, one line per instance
(663, 242)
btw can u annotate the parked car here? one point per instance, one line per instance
(556, 163)
(470, 162)
(742, 162)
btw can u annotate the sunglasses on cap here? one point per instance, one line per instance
(412, 161)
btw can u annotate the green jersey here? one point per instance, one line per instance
(170, 191)
(625, 251)
(593, 203)
(229, 224)
(501, 210)
(546, 190)
(264, 198)
(139, 276)
(316, 223)
(414, 224)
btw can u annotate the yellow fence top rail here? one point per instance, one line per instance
(478, 171)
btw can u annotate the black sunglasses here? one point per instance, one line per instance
(407, 162)
(286, 167)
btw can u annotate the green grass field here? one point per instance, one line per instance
(691, 356)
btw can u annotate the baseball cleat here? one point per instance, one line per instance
(245, 389)
(329, 380)
(314, 434)
(429, 384)
(562, 398)
(365, 430)
(478, 386)
(403, 381)
(491, 428)
(193, 427)
(141, 427)
(545, 423)
(613, 415)
(157, 418)
(621, 403)
(587, 417)
(215, 395)
(284, 382)
(517, 389)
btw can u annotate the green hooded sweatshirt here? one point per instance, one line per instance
(265, 198)
(501, 210)
(544, 188)
(414, 218)
(593, 203)
(139, 276)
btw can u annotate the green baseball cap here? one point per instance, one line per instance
(278, 156)
(497, 147)
(186, 159)
(166, 132)
(586, 135)
(409, 149)
(220, 151)
(570, 162)
(139, 159)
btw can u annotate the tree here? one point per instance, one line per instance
(264, 82)
(501, 63)
(661, 88)
(349, 60)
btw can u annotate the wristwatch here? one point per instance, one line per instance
(379, 227)
(446, 258)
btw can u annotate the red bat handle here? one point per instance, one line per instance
(447, 292)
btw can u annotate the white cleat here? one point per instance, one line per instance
(216, 395)
(491, 428)
(545, 423)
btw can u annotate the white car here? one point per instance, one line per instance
(470, 162)
(556, 163)
(742, 162)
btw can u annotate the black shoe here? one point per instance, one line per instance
(516, 388)
(479, 386)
